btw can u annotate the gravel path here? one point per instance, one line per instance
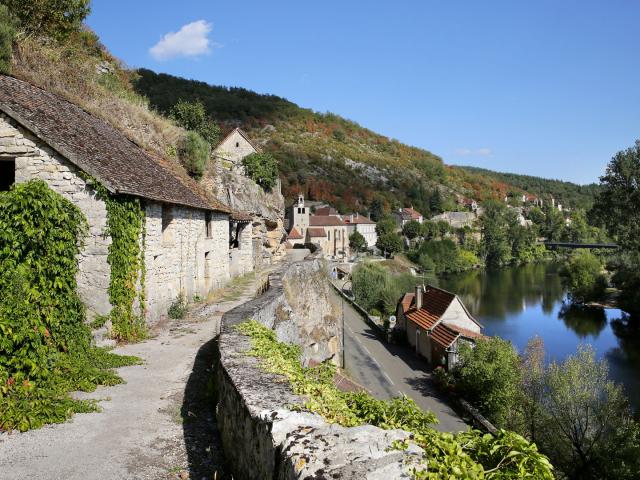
(159, 425)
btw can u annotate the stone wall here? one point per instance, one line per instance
(182, 259)
(34, 159)
(262, 437)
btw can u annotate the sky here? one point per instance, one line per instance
(547, 87)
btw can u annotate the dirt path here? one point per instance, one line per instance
(159, 425)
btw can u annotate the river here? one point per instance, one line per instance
(518, 303)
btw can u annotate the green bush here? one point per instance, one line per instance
(193, 116)
(357, 242)
(193, 151)
(582, 274)
(45, 346)
(262, 168)
(178, 308)
(52, 18)
(7, 34)
(390, 243)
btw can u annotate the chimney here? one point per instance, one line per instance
(418, 297)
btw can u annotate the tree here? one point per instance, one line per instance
(411, 229)
(368, 281)
(489, 376)
(533, 371)
(385, 225)
(376, 209)
(7, 34)
(193, 116)
(495, 246)
(193, 152)
(357, 242)
(262, 168)
(390, 243)
(582, 275)
(588, 433)
(52, 18)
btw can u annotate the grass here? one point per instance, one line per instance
(233, 290)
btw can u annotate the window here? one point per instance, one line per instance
(7, 173)
(237, 144)
(303, 209)
(299, 210)
(207, 225)
(329, 235)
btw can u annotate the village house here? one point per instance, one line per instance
(407, 214)
(233, 148)
(187, 235)
(436, 323)
(336, 241)
(363, 225)
(294, 238)
(469, 203)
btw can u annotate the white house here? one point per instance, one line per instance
(363, 225)
(233, 148)
(435, 323)
(407, 214)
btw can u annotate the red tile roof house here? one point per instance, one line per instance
(435, 323)
(407, 214)
(43, 136)
(336, 240)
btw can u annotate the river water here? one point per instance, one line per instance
(518, 303)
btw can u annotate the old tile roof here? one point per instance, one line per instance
(435, 302)
(443, 335)
(465, 332)
(294, 234)
(316, 232)
(359, 219)
(325, 221)
(240, 216)
(97, 148)
(324, 211)
(411, 213)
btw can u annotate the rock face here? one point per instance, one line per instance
(241, 193)
(262, 437)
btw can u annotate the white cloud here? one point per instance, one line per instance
(468, 152)
(190, 41)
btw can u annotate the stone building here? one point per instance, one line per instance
(187, 234)
(435, 322)
(363, 225)
(233, 148)
(336, 242)
(406, 215)
(298, 217)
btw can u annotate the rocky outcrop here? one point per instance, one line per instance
(263, 437)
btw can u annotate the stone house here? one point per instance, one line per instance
(407, 214)
(336, 242)
(233, 148)
(298, 216)
(363, 225)
(457, 219)
(294, 238)
(469, 203)
(186, 233)
(435, 323)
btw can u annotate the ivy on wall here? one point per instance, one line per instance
(126, 226)
(45, 345)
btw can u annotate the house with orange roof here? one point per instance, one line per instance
(363, 225)
(295, 237)
(436, 323)
(335, 242)
(406, 215)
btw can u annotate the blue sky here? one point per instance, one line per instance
(546, 87)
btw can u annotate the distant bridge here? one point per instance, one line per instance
(554, 245)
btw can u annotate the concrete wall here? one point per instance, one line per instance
(262, 438)
(36, 160)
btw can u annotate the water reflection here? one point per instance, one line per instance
(521, 302)
(585, 321)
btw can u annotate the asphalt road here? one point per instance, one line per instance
(391, 370)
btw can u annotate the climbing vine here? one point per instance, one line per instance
(126, 227)
(45, 345)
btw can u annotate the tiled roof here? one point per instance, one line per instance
(316, 232)
(435, 302)
(406, 301)
(324, 211)
(99, 149)
(360, 220)
(294, 234)
(325, 221)
(443, 335)
(241, 216)
(465, 332)
(414, 214)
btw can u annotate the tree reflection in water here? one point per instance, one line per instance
(584, 321)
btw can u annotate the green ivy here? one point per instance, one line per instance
(45, 345)
(466, 455)
(126, 227)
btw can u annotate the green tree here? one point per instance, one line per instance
(357, 242)
(193, 152)
(368, 282)
(533, 372)
(495, 245)
(429, 230)
(489, 376)
(390, 243)
(411, 229)
(386, 225)
(262, 168)
(376, 209)
(583, 277)
(193, 116)
(52, 18)
(588, 432)
(7, 34)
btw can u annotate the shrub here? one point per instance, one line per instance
(411, 229)
(262, 168)
(193, 152)
(582, 275)
(7, 34)
(193, 116)
(56, 19)
(390, 243)
(178, 308)
(357, 242)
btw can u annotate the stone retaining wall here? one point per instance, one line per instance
(261, 436)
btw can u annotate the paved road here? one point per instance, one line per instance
(390, 370)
